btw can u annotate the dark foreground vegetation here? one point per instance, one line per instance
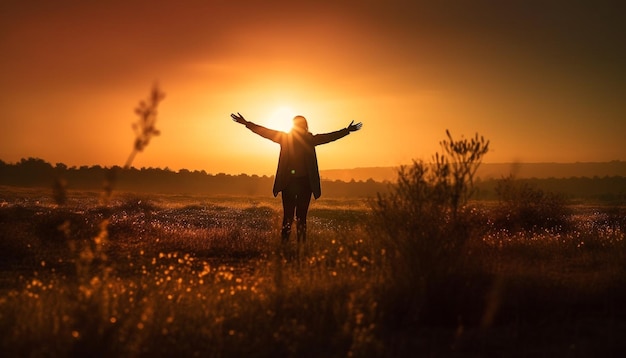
(422, 270)
(202, 276)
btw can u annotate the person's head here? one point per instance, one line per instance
(300, 124)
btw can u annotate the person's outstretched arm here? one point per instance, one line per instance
(270, 134)
(332, 136)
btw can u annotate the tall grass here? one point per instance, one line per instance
(195, 280)
(206, 279)
(420, 271)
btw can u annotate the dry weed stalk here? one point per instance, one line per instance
(144, 131)
(93, 270)
(145, 127)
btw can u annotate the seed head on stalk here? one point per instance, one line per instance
(145, 127)
(144, 130)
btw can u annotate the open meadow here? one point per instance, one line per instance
(205, 276)
(161, 229)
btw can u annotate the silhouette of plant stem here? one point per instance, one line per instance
(144, 131)
(92, 266)
(455, 169)
(145, 126)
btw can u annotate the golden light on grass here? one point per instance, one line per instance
(239, 300)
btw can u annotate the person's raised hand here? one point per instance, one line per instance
(238, 118)
(354, 127)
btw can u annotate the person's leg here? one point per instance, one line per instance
(303, 199)
(289, 205)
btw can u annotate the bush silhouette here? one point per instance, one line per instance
(423, 223)
(522, 207)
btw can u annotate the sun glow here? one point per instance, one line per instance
(281, 118)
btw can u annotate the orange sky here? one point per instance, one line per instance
(544, 81)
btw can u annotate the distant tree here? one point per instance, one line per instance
(34, 171)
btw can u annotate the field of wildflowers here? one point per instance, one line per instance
(197, 276)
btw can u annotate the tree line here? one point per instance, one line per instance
(35, 172)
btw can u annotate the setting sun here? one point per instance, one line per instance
(408, 70)
(281, 118)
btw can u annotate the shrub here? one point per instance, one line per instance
(423, 222)
(522, 207)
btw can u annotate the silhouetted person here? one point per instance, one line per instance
(297, 175)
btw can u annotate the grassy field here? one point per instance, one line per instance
(205, 276)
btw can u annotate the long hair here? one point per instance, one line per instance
(300, 124)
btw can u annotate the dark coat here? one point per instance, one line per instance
(306, 153)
